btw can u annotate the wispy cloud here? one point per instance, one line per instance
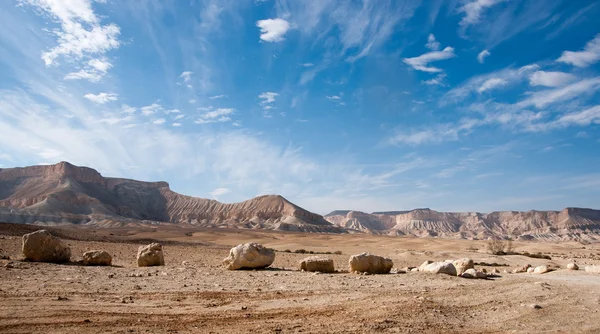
(273, 30)
(551, 79)
(432, 44)
(474, 9)
(101, 98)
(491, 83)
(421, 62)
(216, 97)
(588, 56)
(482, 55)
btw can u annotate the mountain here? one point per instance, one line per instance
(68, 194)
(569, 224)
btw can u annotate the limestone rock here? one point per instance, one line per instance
(541, 270)
(441, 268)
(530, 270)
(41, 246)
(249, 256)
(317, 263)
(97, 258)
(369, 263)
(150, 255)
(592, 269)
(495, 271)
(424, 264)
(572, 266)
(472, 273)
(462, 265)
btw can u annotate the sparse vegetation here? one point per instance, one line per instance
(304, 251)
(500, 247)
(493, 264)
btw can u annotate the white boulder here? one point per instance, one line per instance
(462, 265)
(41, 246)
(369, 263)
(150, 255)
(541, 270)
(441, 268)
(572, 266)
(317, 263)
(472, 273)
(97, 258)
(249, 256)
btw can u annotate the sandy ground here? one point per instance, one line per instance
(199, 296)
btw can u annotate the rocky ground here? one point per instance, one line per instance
(194, 294)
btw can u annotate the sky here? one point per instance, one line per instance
(371, 105)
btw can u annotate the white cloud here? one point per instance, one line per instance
(101, 98)
(218, 112)
(547, 97)
(581, 118)
(179, 117)
(172, 111)
(550, 79)
(273, 30)
(159, 121)
(482, 55)
(151, 109)
(101, 65)
(420, 63)
(92, 76)
(216, 97)
(474, 9)
(432, 44)
(128, 109)
(268, 97)
(590, 54)
(438, 80)
(176, 124)
(219, 192)
(434, 134)
(334, 97)
(308, 64)
(186, 76)
(80, 34)
(192, 101)
(492, 83)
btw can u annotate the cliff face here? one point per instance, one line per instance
(568, 224)
(64, 193)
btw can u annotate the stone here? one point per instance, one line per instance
(472, 273)
(150, 255)
(317, 263)
(522, 269)
(541, 270)
(495, 271)
(370, 264)
(424, 264)
(441, 268)
(530, 270)
(572, 266)
(41, 246)
(592, 269)
(462, 265)
(249, 256)
(97, 258)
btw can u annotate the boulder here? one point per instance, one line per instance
(530, 270)
(441, 268)
(317, 263)
(150, 255)
(541, 270)
(572, 266)
(592, 269)
(41, 246)
(369, 263)
(472, 273)
(424, 264)
(249, 256)
(462, 265)
(97, 258)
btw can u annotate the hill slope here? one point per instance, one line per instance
(64, 193)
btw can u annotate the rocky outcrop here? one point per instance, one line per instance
(97, 258)
(41, 246)
(150, 255)
(317, 263)
(369, 263)
(63, 193)
(249, 256)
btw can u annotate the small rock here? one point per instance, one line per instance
(541, 270)
(535, 306)
(572, 266)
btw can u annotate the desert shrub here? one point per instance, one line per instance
(496, 247)
(311, 252)
(300, 251)
(187, 234)
(493, 264)
(286, 251)
(337, 252)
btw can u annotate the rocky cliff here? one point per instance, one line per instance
(64, 193)
(569, 224)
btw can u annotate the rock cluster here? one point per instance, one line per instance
(249, 256)
(370, 264)
(463, 265)
(41, 246)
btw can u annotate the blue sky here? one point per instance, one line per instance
(474, 105)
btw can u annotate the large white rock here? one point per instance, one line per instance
(441, 268)
(462, 265)
(317, 263)
(150, 255)
(424, 264)
(472, 273)
(572, 266)
(249, 256)
(592, 269)
(41, 246)
(541, 270)
(97, 258)
(370, 263)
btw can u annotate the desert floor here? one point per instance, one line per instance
(194, 294)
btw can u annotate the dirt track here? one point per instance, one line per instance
(200, 297)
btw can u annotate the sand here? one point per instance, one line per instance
(199, 296)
